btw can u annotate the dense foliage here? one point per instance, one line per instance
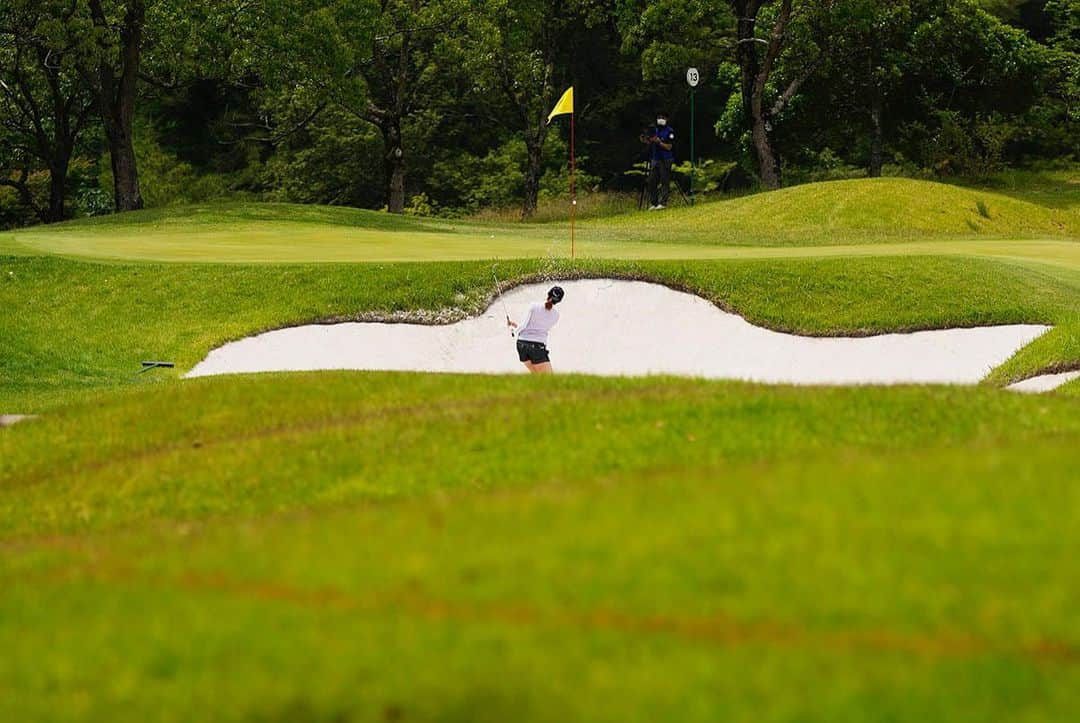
(439, 106)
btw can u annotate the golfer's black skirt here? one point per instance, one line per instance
(533, 351)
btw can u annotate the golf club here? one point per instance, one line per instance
(498, 293)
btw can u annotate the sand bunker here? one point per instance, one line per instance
(1044, 383)
(630, 328)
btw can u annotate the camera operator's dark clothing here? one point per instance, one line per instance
(659, 181)
(660, 161)
(665, 134)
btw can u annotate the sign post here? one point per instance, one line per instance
(693, 77)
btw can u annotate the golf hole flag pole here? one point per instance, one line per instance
(565, 106)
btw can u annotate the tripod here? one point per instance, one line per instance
(645, 184)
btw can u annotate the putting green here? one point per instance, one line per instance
(306, 243)
(893, 216)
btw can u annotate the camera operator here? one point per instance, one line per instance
(661, 143)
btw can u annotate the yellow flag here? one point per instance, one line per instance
(565, 104)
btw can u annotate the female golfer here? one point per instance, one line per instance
(533, 334)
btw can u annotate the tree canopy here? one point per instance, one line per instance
(439, 106)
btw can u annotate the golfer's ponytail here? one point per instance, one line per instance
(554, 297)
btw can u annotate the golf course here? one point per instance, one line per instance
(373, 545)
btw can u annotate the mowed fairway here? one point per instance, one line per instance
(407, 547)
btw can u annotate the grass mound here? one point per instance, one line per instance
(862, 209)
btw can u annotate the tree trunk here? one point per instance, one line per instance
(747, 61)
(876, 138)
(746, 54)
(394, 164)
(753, 77)
(768, 163)
(535, 151)
(396, 188)
(59, 164)
(57, 191)
(124, 167)
(115, 90)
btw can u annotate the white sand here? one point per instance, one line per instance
(1044, 383)
(630, 328)
(9, 420)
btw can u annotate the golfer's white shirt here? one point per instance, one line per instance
(538, 324)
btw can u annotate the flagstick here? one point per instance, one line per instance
(573, 190)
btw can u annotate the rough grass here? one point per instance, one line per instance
(1051, 187)
(259, 443)
(386, 546)
(80, 326)
(551, 209)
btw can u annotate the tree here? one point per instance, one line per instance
(764, 96)
(1032, 16)
(110, 66)
(938, 82)
(374, 102)
(375, 59)
(1061, 103)
(665, 37)
(773, 48)
(975, 77)
(1066, 18)
(512, 47)
(868, 63)
(398, 77)
(44, 105)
